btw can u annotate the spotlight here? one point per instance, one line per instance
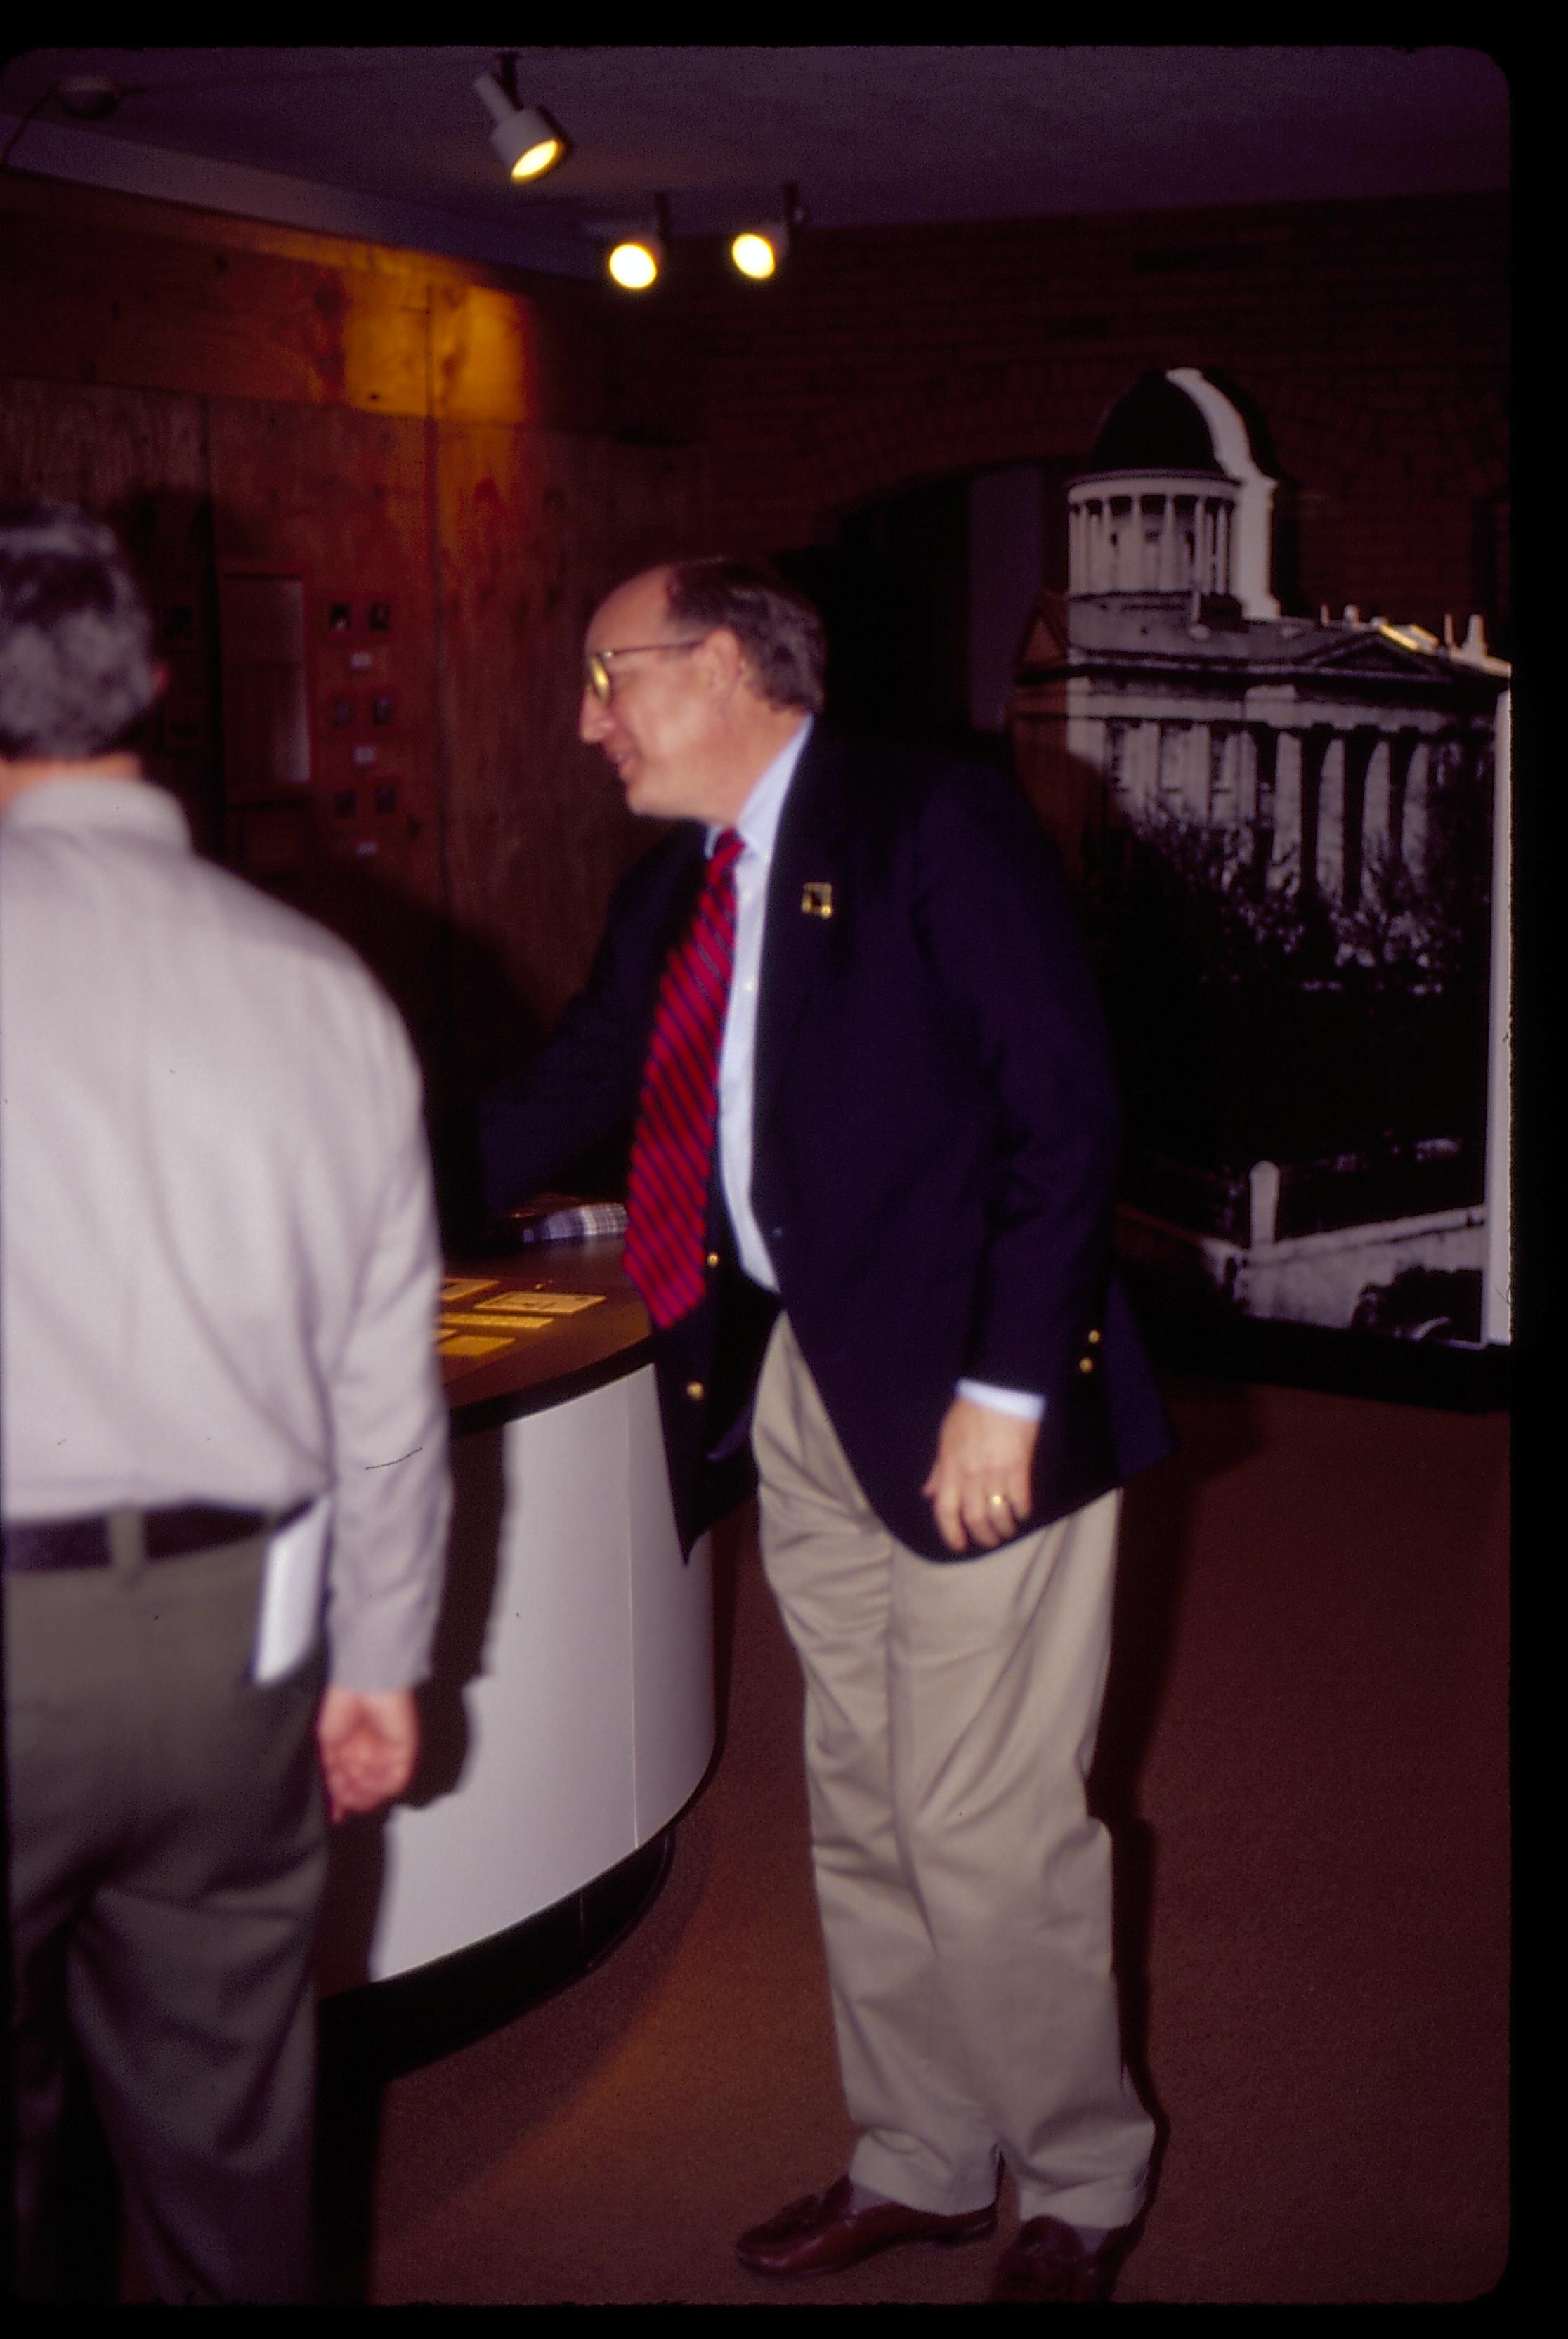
(524, 136)
(635, 257)
(635, 262)
(754, 252)
(759, 252)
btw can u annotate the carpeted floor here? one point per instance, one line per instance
(1304, 1761)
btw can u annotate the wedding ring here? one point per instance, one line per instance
(998, 1501)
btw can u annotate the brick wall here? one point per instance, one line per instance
(1372, 336)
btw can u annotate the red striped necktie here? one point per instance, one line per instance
(678, 1112)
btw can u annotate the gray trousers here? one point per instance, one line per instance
(167, 1858)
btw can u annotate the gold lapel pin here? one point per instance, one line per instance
(817, 899)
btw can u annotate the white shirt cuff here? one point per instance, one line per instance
(1020, 1403)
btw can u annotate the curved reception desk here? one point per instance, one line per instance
(570, 1712)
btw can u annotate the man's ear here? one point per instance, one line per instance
(723, 660)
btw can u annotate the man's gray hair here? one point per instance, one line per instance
(777, 628)
(77, 671)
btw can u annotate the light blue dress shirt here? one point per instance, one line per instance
(758, 827)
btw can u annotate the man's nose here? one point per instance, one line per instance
(593, 716)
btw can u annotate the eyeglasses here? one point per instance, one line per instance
(597, 663)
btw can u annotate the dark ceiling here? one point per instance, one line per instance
(392, 142)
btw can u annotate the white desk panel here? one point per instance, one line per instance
(591, 1719)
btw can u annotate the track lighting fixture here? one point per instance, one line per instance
(634, 262)
(528, 142)
(635, 257)
(759, 252)
(754, 252)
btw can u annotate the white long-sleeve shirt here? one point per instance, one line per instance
(219, 1262)
(757, 825)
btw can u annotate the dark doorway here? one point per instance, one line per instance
(924, 593)
(893, 592)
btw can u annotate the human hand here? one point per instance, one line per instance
(368, 1740)
(980, 1483)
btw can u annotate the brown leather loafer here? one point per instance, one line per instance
(822, 2232)
(1046, 2264)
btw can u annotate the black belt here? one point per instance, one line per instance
(32, 1546)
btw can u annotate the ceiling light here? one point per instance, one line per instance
(528, 142)
(760, 251)
(634, 262)
(634, 253)
(755, 251)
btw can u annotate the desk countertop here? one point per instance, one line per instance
(497, 1363)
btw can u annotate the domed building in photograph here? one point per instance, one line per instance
(1322, 788)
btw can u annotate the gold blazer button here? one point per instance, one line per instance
(713, 1259)
(695, 1391)
(1085, 1364)
(1094, 1339)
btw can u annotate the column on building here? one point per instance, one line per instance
(1359, 747)
(1402, 749)
(1123, 532)
(1186, 516)
(1289, 774)
(1214, 550)
(1315, 745)
(1329, 864)
(1173, 787)
(1118, 791)
(1375, 805)
(1172, 579)
(1260, 775)
(1143, 764)
(1416, 793)
(1085, 552)
(1114, 759)
(1224, 807)
(1200, 772)
(1151, 548)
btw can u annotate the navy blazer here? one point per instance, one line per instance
(936, 1133)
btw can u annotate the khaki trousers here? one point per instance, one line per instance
(168, 1851)
(964, 1890)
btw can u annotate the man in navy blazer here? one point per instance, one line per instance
(908, 1296)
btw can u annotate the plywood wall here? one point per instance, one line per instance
(138, 458)
(535, 527)
(341, 500)
(243, 401)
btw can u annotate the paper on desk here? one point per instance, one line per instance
(505, 1327)
(463, 1287)
(290, 1623)
(468, 1344)
(542, 1303)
